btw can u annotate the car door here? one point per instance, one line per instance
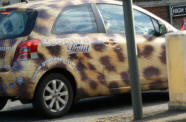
(150, 49)
(115, 56)
(80, 32)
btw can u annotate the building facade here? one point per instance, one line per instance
(172, 11)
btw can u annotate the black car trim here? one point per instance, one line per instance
(99, 19)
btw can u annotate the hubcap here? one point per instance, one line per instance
(55, 95)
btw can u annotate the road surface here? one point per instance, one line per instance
(85, 109)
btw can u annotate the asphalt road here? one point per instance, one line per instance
(85, 109)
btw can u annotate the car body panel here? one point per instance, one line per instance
(98, 61)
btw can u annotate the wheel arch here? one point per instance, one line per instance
(64, 72)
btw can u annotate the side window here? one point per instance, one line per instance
(143, 23)
(113, 17)
(114, 20)
(76, 19)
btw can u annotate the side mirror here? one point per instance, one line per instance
(163, 29)
(160, 29)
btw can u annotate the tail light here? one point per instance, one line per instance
(27, 50)
(5, 13)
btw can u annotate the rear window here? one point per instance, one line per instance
(16, 23)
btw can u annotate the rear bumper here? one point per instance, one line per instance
(18, 82)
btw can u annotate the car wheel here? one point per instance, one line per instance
(54, 96)
(3, 102)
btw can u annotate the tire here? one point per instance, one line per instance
(3, 102)
(50, 102)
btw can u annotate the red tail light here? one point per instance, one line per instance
(26, 50)
(5, 13)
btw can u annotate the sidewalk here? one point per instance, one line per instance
(157, 113)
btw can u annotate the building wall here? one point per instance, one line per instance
(161, 9)
(163, 12)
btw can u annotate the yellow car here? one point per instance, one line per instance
(54, 52)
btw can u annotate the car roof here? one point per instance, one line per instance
(50, 5)
(57, 3)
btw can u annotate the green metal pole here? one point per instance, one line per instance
(132, 59)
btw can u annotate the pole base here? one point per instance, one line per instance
(180, 106)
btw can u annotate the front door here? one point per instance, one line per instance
(152, 68)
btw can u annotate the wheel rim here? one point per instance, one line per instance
(56, 95)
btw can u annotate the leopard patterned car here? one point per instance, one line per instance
(55, 52)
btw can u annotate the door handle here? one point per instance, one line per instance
(110, 42)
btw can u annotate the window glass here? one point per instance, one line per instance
(114, 20)
(15, 24)
(113, 17)
(77, 19)
(143, 23)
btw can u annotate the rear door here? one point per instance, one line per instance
(14, 26)
(78, 28)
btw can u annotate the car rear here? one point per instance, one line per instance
(16, 48)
